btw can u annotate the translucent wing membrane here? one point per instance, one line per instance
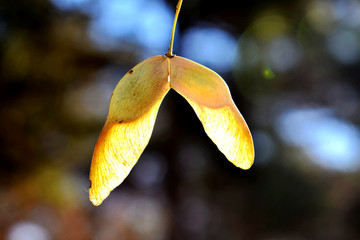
(134, 106)
(133, 109)
(132, 113)
(210, 98)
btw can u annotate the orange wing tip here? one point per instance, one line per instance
(102, 179)
(243, 159)
(117, 150)
(245, 163)
(228, 130)
(96, 198)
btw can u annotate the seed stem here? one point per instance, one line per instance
(170, 51)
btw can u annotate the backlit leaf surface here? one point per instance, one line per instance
(133, 109)
(132, 113)
(210, 97)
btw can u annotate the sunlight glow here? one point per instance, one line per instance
(27, 231)
(283, 54)
(67, 5)
(328, 141)
(143, 22)
(122, 21)
(344, 46)
(213, 47)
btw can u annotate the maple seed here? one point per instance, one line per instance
(131, 119)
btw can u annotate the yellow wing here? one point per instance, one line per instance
(210, 97)
(132, 113)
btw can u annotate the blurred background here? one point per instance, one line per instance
(293, 70)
